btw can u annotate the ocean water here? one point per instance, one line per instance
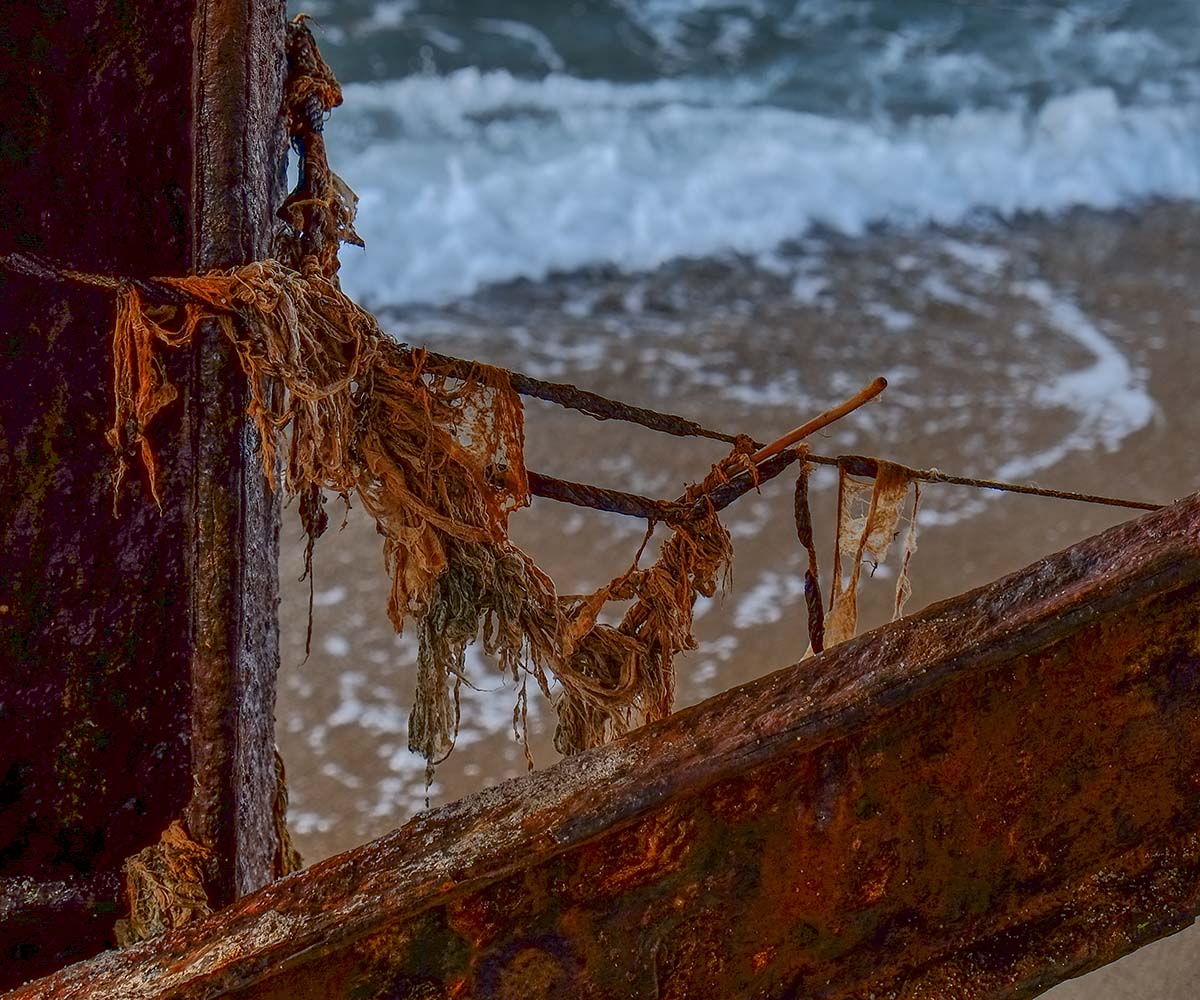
(516, 140)
(742, 211)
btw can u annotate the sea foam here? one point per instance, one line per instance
(475, 178)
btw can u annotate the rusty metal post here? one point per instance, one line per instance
(239, 144)
(976, 802)
(138, 650)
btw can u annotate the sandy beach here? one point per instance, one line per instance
(1060, 351)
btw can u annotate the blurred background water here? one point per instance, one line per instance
(493, 141)
(742, 210)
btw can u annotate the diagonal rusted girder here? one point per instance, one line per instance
(980, 801)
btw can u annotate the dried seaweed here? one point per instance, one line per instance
(287, 859)
(165, 886)
(436, 462)
(616, 677)
(319, 213)
(139, 381)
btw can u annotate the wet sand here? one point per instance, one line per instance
(985, 333)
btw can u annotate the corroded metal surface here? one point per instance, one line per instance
(239, 145)
(100, 167)
(979, 801)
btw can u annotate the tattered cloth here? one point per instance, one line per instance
(868, 521)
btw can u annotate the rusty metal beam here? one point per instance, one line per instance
(137, 652)
(979, 801)
(239, 145)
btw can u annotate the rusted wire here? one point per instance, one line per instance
(599, 498)
(571, 397)
(43, 268)
(863, 465)
(667, 511)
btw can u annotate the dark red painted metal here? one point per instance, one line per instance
(137, 651)
(979, 801)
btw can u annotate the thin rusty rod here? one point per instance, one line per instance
(599, 498)
(773, 458)
(680, 426)
(863, 396)
(635, 505)
(862, 465)
(648, 509)
(36, 265)
(39, 266)
(766, 470)
(572, 397)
